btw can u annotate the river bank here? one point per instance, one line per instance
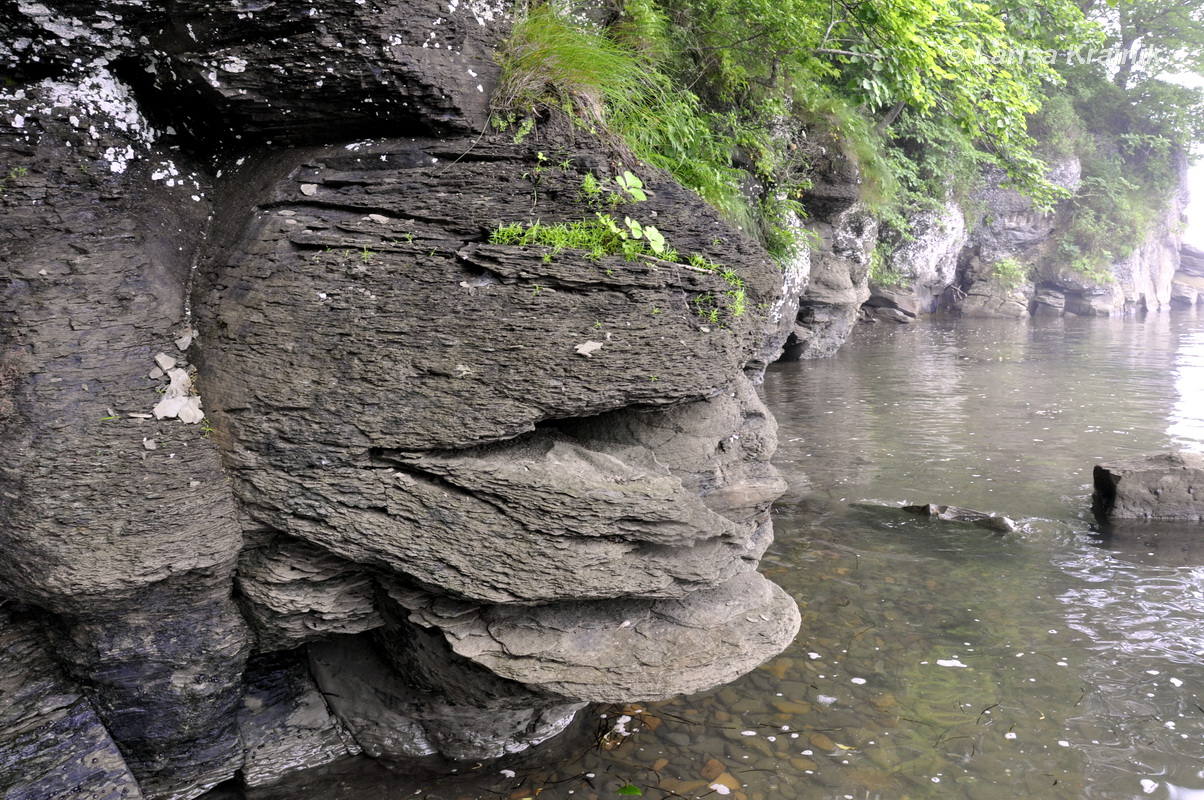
(940, 661)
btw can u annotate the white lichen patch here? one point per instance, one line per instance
(119, 158)
(234, 64)
(179, 401)
(483, 11)
(104, 33)
(101, 103)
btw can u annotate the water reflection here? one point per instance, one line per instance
(1187, 418)
(1090, 645)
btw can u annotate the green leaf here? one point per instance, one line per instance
(630, 183)
(630, 790)
(656, 239)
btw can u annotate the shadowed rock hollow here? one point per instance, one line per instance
(446, 491)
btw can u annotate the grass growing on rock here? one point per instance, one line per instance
(634, 241)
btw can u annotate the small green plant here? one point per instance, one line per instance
(206, 427)
(504, 121)
(603, 236)
(881, 274)
(366, 255)
(647, 232)
(1009, 271)
(632, 185)
(739, 302)
(591, 188)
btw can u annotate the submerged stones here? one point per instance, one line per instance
(980, 519)
(992, 522)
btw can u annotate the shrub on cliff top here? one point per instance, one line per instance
(613, 83)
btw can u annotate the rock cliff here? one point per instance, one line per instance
(297, 464)
(952, 265)
(843, 234)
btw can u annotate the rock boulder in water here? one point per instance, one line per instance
(1161, 486)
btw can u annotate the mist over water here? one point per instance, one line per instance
(1194, 234)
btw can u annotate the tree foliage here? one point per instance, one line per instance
(1132, 122)
(924, 92)
(970, 63)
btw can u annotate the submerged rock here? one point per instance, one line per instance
(981, 519)
(1161, 486)
(992, 522)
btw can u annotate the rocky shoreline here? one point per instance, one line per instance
(301, 462)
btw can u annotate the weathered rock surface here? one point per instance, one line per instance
(845, 233)
(52, 743)
(925, 265)
(344, 300)
(986, 297)
(293, 592)
(360, 390)
(608, 650)
(121, 523)
(284, 722)
(1187, 289)
(1011, 228)
(388, 718)
(1162, 486)
(1191, 260)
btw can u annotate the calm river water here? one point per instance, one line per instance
(938, 660)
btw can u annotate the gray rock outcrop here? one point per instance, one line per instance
(1162, 486)
(1191, 260)
(51, 738)
(1007, 264)
(925, 265)
(845, 233)
(276, 416)
(1011, 229)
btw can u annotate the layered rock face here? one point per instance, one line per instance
(1187, 288)
(845, 233)
(444, 491)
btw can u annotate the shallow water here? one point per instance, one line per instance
(938, 660)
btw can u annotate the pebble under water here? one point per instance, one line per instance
(936, 660)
